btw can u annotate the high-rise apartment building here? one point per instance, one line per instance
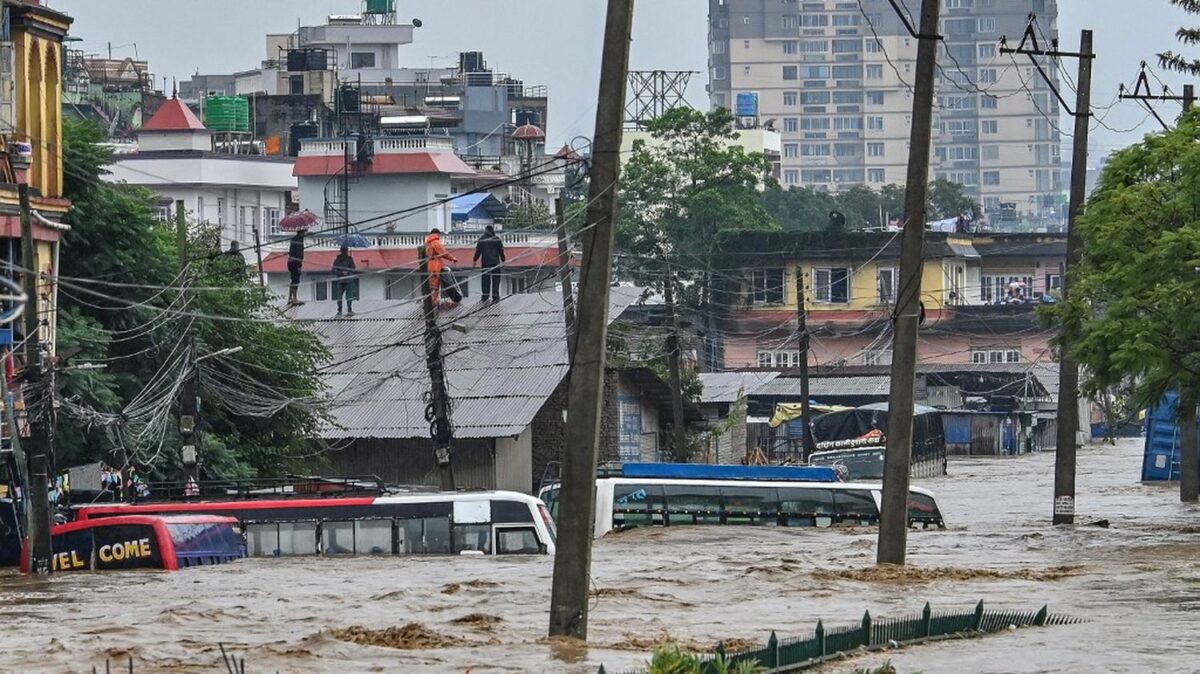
(836, 76)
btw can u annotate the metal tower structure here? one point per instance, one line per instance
(653, 93)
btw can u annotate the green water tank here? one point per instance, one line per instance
(381, 6)
(227, 113)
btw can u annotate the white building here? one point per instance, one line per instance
(175, 160)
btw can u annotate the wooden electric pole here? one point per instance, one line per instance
(573, 561)
(678, 426)
(39, 405)
(564, 273)
(438, 412)
(810, 445)
(893, 515)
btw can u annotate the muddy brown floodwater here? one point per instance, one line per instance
(1137, 583)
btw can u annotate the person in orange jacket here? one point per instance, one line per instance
(436, 251)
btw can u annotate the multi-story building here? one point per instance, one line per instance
(837, 76)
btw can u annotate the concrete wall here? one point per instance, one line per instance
(375, 196)
(410, 461)
(514, 462)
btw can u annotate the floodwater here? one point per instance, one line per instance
(1137, 583)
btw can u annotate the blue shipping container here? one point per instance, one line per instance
(747, 104)
(1161, 460)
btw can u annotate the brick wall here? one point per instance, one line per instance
(549, 433)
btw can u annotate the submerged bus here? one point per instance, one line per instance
(484, 523)
(733, 495)
(143, 542)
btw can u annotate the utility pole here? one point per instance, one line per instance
(438, 412)
(189, 402)
(262, 278)
(1141, 94)
(1189, 460)
(810, 445)
(573, 562)
(564, 273)
(893, 515)
(38, 403)
(679, 427)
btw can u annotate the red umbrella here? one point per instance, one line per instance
(299, 220)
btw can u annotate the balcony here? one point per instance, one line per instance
(325, 147)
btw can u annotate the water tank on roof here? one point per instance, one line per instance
(227, 114)
(381, 6)
(524, 117)
(299, 132)
(471, 62)
(349, 99)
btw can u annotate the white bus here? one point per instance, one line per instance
(623, 502)
(466, 522)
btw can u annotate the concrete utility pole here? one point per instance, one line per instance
(810, 445)
(1068, 370)
(438, 412)
(679, 427)
(573, 563)
(1189, 460)
(564, 273)
(893, 515)
(189, 402)
(38, 403)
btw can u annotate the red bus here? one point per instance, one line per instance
(143, 542)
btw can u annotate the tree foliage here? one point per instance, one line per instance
(1131, 313)
(807, 209)
(120, 307)
(534, 215)
(1188, 36)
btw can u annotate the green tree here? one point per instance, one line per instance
(1131, 313)
(948, 200)
(799, 209)
(534, 215)
(1188, 36)
(119, 307)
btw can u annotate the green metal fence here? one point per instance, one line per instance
(796, 654)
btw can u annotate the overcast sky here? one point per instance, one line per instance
(557, 43)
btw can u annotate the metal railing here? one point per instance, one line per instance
(797, 654)
(267, 488)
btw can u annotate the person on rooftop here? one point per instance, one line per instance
(343, 280)
(437, 254)
(489, 251)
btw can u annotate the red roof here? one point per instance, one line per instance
(365, 259)
(407, 162)
(173, 115)
(567, 152)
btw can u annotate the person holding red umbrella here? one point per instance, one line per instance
(295, 264)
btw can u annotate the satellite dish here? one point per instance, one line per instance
(417, 23)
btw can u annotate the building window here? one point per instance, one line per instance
(991, 177)
(791, 177)
(875, 123)
(961, 152)
(889, 285)
(874, 71)
(845, 149)
(992, 356)
(874, 149)
(271, 218)
(987, 50)
(814, 46)
(790, 150)
(790, 124)
(791, 73)
(814, 20)
(767, 286)
(364, 59)
(987, 25)
(779, 359)
(814, 149)
(874, 98)
(321, 288)
(877, 357)
(987, 74)
(1005, 289)
(872, 46)
(790, 98)
(166, 213)
(790, 47)
(718, 73)
(831, 285)
(875, 175)
(790, 21)
(990, 126)
(765, 359)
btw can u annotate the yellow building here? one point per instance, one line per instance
(31, 126)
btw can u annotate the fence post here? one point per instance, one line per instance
(979, 615)
(927, 619)
(866, 628)
(1040, 618)
(772, 651)
(821, 637)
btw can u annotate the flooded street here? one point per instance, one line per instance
(1137, 583)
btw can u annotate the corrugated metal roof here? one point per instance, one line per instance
(723, 387)
(503, 361)
(827, 386)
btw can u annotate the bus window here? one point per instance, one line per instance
(750, 505)
(430, 535)
(923, 510)
(337, 538)
(688, 504)
(855, 507)
(517, 541)
(511, 512)
(297, 538)
(373, 537)
(636, 505)
(262, 540)
(473, 537)
(550, 498)
(805, 507)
